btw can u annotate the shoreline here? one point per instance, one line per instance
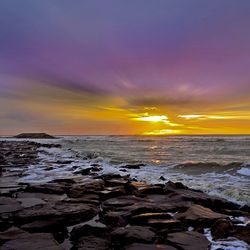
(130, 213)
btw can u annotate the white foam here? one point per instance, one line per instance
(226, 244)
(244, 171)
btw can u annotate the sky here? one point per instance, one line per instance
(125, 67)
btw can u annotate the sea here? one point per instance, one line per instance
(217, 165)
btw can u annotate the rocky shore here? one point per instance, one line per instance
(107, 211)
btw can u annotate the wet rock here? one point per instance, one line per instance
(47, 188)
(67, 213)
(8, 205)
(116, 219)
(42, 226)
(52, 198)
(221, 229)
(31, 242)
(164, 223)
(197, 214)
(188, 241)
(115, 182)
(64, 162)
(86, 186)
(110, 192)
(2, 160)
(141, 188)
(92, 227)
(85, 198)
(128, 235)
(162, 178)
(173, 186)
(243, 233)
(30, 202)
(11, 234)
(138, 246)
(92, 243)
(142, 219)
(133, 166)
(64, 181)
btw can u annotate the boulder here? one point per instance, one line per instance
(9, 205)
(67, 213)
(133, 166)
(128, 235)
(243, 233)
(222, 228)
(39, 241)
(188, 240)
(164, 223)
(86, 185)
(12, 234)
(42, 226)
(142, 219)
(92, 227)
(197, 214)
(139, 246)
(92, 243)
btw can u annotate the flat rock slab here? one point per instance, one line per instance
(126, 235)
(12, 234)
(39, 241)
(92, 243)
(145, 217)
(8, 205)
(164, 223)
(198, 214)
(30, 202)
(138, 246)
(42, 226)
(188, 241)
(62, 211)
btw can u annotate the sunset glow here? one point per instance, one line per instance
(150, 67)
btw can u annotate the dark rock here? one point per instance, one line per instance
(164, 223)
(141, 188)
(30, 202)
(85, 198)
(138, 246)
(12, 234)
(67, 213)
(31, 242)
(116, 219)
(92, 243)
(243, 233)
(42, 226)
(197, 214)
(63, 162)
(92, 227)
(188, 241)
(143, 219)
(34, 136)
(47, 188)
(128, 235)
(8, 205)
(162, 178)
(221, 229)
(133, 166)
(86, 186)
(110, 192)
(115, 182)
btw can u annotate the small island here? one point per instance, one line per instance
(34, 136)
